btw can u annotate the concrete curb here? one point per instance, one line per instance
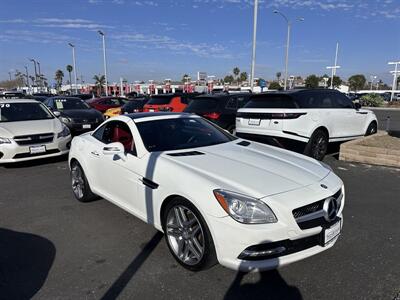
(354, 151)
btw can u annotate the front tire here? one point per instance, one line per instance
(80, 185)
(372, 129)
(317, 146)
(187, 235)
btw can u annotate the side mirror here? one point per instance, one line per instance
(57, 113)
(114, 149)
(357, 105)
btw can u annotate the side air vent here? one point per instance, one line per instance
(190, 153)
(243, 143)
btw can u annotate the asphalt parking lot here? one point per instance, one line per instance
(388, 119)
(53, 247)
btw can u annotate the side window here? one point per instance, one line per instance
(116, 131)
(241, 101)
(307, 100)
(232, 103)
(341, 101)
(325, 100)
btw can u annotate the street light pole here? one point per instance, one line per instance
(335, 67)
(395, 74)
(27, 77)
(9, 74)
(104, 59)
(74, 64)
(373, 77)
(34, 64)
(39, 75)
(289, 29)
(253, 60)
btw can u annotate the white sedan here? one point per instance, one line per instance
(246, 205)
(28, 130)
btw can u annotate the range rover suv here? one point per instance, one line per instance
(311, 117)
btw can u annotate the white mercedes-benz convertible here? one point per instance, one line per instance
(246, 205)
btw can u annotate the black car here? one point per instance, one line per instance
(78, 116)
(134, 106)
(219, 108)
(83, 96)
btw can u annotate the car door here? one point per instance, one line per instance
(119, 178)
(354, 119)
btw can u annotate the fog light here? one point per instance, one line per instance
(261, 253)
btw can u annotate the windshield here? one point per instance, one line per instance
(160, 100)
(63, 104)
(13, 112)
(181, 133)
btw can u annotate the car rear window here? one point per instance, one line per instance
(271, 101)
(202, 104)
(160, 100)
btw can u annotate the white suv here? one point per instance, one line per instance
(311, 117)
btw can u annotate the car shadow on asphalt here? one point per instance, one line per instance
(121, 282)
(25, 262)
(271, 285)
(35, 163)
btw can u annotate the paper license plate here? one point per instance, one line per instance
(37, 149)
(331, 232)
(255, 122)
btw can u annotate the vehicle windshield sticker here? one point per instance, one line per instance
(2, 106)
(59, 104)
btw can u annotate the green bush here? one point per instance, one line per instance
(275, 86)
(373, 100)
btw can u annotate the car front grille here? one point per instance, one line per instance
(34, 139)
(312, 215)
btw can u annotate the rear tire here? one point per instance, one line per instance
(232, 129)
(80, 185)
(317, 146)
(187, 235)
(372, 129)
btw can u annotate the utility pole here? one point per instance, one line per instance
(27, 78)
(395, 73)
(335, 67)
(253, 60)
(34, 64)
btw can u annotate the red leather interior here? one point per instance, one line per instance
(124, 137)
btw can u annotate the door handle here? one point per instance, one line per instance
(95, 153)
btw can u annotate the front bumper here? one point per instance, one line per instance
(11, 153)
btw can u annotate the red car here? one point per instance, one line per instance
(102, 104)
(168, 102)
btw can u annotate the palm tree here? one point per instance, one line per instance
(69, 69)
(59, 78)
(99, 82)
(243, 76)
(236, 72)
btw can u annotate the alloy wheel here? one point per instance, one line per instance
(319, 147)
(185, 235)
(78, 183)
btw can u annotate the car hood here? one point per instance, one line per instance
(257, 170)
(81, 113)
(11, 129)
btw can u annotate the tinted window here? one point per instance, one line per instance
(342, 101)
(307, 99)
(271, 101)
(159, 100)
(202, 104)
(180, 133)
(13, 112)
(232, 103)
(69, 103)
(325, 100)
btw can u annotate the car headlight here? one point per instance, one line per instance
(326, 166)
(64, 133)
(4, 141)
(245, 209)
(65, 120)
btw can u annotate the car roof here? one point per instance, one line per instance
(61, 97)
(18, 101)
(157, 115)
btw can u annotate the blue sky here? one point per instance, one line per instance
(167, 38)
